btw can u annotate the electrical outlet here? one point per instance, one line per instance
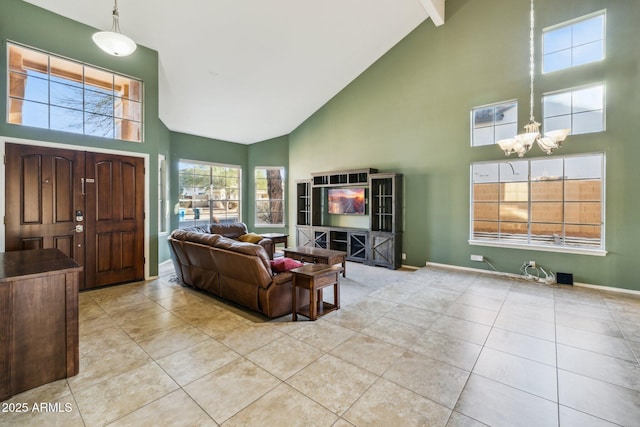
(404, 256)
(478, 258)
(532, 264)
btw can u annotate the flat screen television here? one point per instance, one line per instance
(350, 201)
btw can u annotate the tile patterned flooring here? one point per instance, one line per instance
(434, 347)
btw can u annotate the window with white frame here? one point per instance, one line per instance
(51, 92)
(163, 195)
(208, 193)
(491, 123)
(269, 182)
(555, 202)
(581, 109)
(577, 42)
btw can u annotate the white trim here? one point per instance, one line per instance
(435, 10)
(573, 21)
(145, 156)
(521, 277)
(607, 288)
(541, 248)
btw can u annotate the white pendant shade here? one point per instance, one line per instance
(519, 144)
(116, 44)
(553, 140)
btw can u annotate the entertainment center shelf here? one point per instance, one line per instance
(380, 243)
(329, 179)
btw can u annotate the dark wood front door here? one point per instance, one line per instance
(115, 218)
(47, 188)
(42, 193)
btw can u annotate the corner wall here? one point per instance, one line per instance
(410, 113)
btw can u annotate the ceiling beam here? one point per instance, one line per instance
(435, 9)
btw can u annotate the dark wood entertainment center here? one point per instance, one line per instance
(380, 243)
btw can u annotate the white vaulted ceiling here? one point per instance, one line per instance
(246, 71)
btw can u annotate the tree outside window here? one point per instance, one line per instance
(269, 183)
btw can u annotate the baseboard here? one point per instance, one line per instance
(520, 277)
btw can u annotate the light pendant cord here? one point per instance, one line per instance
(532, 65)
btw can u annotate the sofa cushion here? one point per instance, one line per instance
(250, 238)
(280, 265)
(244, 248)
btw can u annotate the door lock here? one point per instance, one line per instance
(79, 228)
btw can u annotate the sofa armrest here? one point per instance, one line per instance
(282, 278)
(268, 246)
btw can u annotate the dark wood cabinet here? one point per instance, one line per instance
(386, 249)
(381, 243)
(38, 319)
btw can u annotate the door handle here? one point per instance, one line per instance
(82, 186)
(78, 228)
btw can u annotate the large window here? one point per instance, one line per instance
(269, 196)
(574, 43)
(582, 110)
(51, 92)
(209, 193)
(491, 123)
(548, 202)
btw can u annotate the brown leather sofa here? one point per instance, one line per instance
(236, 271)
(233, 231)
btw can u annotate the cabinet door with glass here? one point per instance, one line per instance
(386, 202)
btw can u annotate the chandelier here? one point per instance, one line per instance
(114, 42)
(523, 142)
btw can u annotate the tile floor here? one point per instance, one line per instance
(433, 347)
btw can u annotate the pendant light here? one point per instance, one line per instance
(523, 142)
(114, 42)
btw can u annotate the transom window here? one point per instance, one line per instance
(577, 42)
(546, 202)
(491, 123)
(582, 110)
(209, 193)
(269, 196)
(52, 92)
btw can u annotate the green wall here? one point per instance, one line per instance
(30, 25)
(409, 113)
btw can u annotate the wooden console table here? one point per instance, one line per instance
(315, 277)
(38, 319)
(318, 256)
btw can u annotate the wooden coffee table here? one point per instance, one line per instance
(315, 277)
(318, 256)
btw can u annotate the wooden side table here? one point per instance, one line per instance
(277, 238)
(315, 277)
